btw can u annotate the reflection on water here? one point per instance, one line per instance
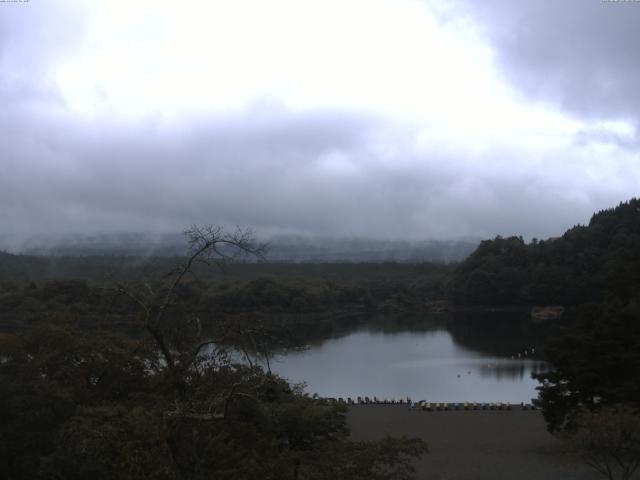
(425, 364)
(512, 370)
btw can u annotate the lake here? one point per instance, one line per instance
(434, 364)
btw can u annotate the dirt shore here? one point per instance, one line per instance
(474, 445)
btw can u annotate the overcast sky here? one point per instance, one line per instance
(408, 119)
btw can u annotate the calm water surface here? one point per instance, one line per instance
(421, 364)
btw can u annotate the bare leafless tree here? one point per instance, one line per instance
(609, 441)
(209, 245)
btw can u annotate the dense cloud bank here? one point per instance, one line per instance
(329, 170)
(581, 55)
(321, 172)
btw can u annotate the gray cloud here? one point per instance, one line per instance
(321, 171)
(579, 54)
(278, 172)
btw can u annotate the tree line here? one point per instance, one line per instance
(591, 394)
(589, 263)
(172, 401)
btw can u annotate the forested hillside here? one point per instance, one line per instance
(295, 302)
(170, 400)
(586, 264)
(594, 270)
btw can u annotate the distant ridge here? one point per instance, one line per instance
(293, 249)
(281, 249)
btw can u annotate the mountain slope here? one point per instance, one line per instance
(587, 264)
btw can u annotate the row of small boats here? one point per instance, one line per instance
(373, 400)
(431, 406)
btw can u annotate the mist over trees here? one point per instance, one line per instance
(169, 402)
(170, 331)
(282, 248)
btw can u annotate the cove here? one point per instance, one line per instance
(429, 365)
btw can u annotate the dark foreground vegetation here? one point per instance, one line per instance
(587, 264)
(170, 401)
(592, 393)
(294, 304)
(118, 367)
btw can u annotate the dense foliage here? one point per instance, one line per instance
(596, 362)
(593, 270)
(77, 405)
(587, 264)
(297, 306)
(171, 401)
